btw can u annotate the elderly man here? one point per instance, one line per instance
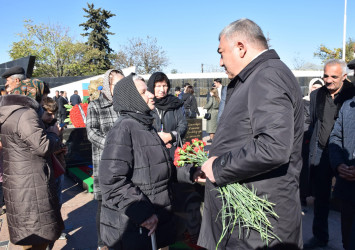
(258, 140)
(325, 104)
(13, 77)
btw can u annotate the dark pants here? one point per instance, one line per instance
(304, 175)
(62, 117)
(100, 243)
(348, 224)
(321, 178)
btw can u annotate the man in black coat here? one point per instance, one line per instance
(258, 140)
(325, 104)
(63, 113)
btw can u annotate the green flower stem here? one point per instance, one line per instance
(240, 206)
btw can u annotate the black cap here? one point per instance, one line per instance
(13, 71)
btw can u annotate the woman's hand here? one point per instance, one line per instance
(151, 224)
(166, 137)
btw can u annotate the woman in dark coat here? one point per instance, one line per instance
(135, 174)
(212, 108)
(190, 103)
(168, 114)
(32, 206)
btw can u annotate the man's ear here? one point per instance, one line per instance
(242, 49)
(344, 77)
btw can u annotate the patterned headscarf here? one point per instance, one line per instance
(106, 83)
(30, 87)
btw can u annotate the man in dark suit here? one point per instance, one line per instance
(63, 113)
(258, 140)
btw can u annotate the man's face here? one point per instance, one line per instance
(11, 83)
(160, 89)
(230, 58)
(333, 77)
(216, 84)
(57, 93)
(47, 117)
(146, 95)
(65, 94)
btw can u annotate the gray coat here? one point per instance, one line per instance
(32, 207)
(258, 142)
(342, 149)
(212, 107)
(100, 119)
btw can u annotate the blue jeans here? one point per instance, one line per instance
(59, 184)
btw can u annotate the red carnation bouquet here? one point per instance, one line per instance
(77, 114)
(240, 206)
(191, 153)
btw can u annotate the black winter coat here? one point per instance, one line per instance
(190, 103)
(258, 142)
(172, 121)
(135, 175)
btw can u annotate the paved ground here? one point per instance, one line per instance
(79, 210)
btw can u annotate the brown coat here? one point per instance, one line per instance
(33, 212)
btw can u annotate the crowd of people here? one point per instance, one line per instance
(263, 134)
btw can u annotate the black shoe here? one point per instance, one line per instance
(209, 141)
(314, 243)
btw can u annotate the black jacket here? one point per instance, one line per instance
(258, 142)
(190, 103)
(135, 175)
(172, 121)
(61, 102)
(317, 104)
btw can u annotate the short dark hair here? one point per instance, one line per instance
(190, 89)
(62, 92)
(218, 80)
(186, 84)
(177, 88)
(50, 105)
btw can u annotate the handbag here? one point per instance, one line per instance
(207, 116)
(57, 167)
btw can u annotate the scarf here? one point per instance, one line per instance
(168, 102)
(30, 87)
(128, 101)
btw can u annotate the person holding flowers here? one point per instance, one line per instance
(257, 144)
(135, 174)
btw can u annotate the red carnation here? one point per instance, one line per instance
(76, 117)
